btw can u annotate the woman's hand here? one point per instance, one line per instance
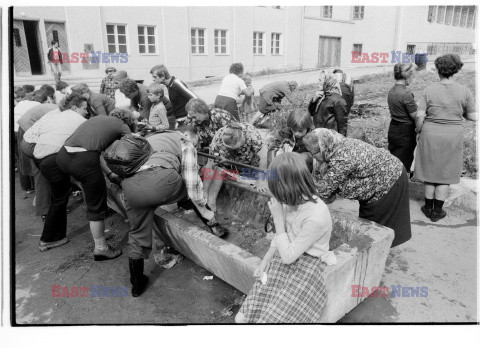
(260, 269)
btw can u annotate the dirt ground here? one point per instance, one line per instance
(441, 256)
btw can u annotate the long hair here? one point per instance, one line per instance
(293, 183)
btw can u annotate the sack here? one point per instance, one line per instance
(126, 155)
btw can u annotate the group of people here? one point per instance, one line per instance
(63, 136)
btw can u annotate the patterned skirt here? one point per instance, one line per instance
(293, 293)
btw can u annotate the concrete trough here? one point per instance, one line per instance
(361, 246)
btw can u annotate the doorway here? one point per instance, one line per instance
(33, 47)
(329, 51)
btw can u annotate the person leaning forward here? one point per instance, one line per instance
(170, 175)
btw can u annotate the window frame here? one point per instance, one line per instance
(457, 24)
(197, 45)
(361, 48)
(280, 45)
(447, 21)
(330, 8)
(432, 14)
(462, 17)
(471, 18)
(146, 35)
(361, 13)
(115, 34)
(441, 19)
(255, 40)
(219, 45)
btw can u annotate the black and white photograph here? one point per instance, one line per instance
(240, 164)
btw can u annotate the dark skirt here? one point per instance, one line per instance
(392, 210)
(293, 293)
(227, 103)
(440, 154)
(402, 142)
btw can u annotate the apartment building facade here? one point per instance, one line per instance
(199, 42)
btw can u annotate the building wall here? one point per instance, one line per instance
(382, 29)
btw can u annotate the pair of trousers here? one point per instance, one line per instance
(228, 104)
(85, 167)
(55, 227)
(42, 191)
(144, 192)
(402, 142)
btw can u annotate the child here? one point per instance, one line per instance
(290, 138)
(158, 113)
(108, 87)
(248, 105)
(290, 287)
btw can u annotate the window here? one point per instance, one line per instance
(463, 18)
(275, 44)
(358, 12)
(257, 43)
(220, 41)
(432, 10)
(357, 49)
(117, 38)
(456, 15)
(146, 39)
(411, 49)
(440, 14)
(449, 16)
(55, 35)
(327, 11)
(16, 37)
(471, 13)
(198, 41)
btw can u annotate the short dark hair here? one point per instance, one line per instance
(53, 42)
(110, 68)
(236, 68)
(71, 100)
(197, 105)
(81, 88)
(299, 119)
(126, 116)
(128, 86)
(61, 85)
(402, 71)
(49, 90)
(448, 64)
(293, 183)
(28, 88)
(19, 92)
(160, 70)
(337, 71)
(38, 96)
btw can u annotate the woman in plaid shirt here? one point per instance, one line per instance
(108, 87)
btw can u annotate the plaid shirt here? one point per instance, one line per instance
(190, 173)
(247, 153)
(218, 119)
(108, 87)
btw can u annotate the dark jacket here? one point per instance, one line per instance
(331, 113)
(179, 95)
(100, 104)
(348, 94)
(285, 136)
(51, 58)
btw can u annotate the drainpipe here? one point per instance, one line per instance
(398, 28)
(302, 24)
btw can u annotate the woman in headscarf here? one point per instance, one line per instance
(403, 109)
(356, 170)
(328, 107)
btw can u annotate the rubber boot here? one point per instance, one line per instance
(137, 278)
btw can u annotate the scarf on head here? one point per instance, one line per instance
(325, 142)
(329, 86)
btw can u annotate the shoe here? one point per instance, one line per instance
(437, 215)
(137, 278)
(426, 211)
(186, 204)
(44, 217)
(44, 246)
(218, 230)
(108, 254)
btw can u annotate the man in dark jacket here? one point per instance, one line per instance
(97, 104)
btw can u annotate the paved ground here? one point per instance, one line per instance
(441, 256)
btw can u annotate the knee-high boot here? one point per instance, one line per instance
(137, 278)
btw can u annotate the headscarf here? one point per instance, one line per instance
(328, 85)
(325, 142)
